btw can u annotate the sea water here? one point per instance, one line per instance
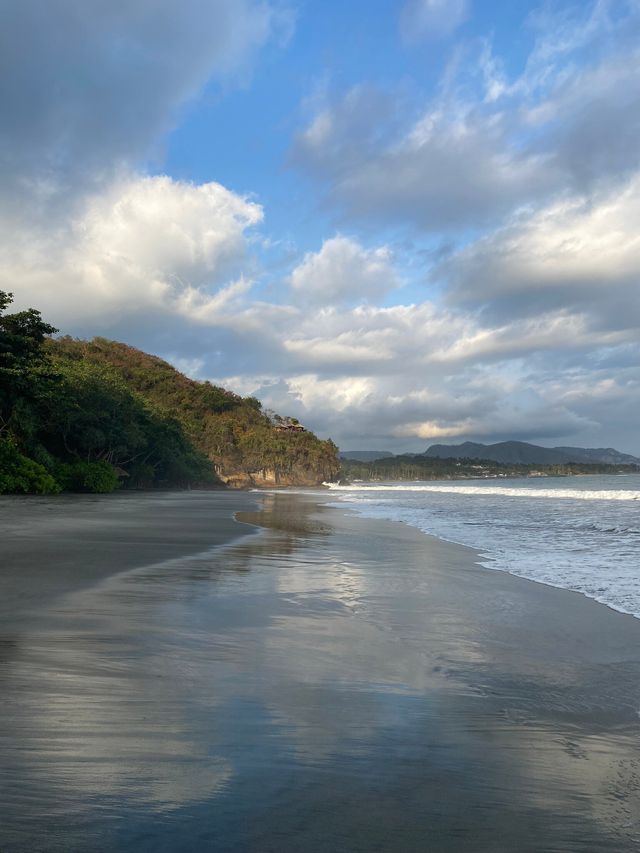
(577, 533)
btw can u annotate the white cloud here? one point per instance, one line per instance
(454, 165)
(344, 271)
(487, 143)
(423, 18)
(341, 394)
(571, 255)
(433, 430)
(83, 232)
(356, 390)
(161, 228)
(146, 244)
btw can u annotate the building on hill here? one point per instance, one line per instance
(290, 428)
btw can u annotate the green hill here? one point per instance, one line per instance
(90, 415)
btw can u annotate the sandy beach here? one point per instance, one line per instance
(53, 545)
(329, 683)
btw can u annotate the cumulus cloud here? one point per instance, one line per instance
(87, 92)
(512, 420)
(424, 18)
(146, 244)
(487, 144)
(533, 326)
(393, 410)
(406, 375)
(343, 271)
(161, 264)
(573, 255)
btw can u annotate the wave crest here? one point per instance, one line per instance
(505, 491)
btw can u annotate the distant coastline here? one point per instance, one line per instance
(406, 468)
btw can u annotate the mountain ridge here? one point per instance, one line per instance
(365, 455)
(524, 452)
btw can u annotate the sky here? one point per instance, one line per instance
(401, 221)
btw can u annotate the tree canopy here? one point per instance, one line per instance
(92, 415)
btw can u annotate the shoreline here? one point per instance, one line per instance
(475, 557)
(333, 682)
(484, 562)
(490, 557)
(603, 631)
(444, 479)
(222, 527)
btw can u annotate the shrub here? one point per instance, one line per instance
(94, 477)
(19, 474)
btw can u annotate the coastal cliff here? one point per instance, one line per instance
(80, 415)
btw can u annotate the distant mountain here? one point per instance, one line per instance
(600, 454)
(522, 452)
(365, 455)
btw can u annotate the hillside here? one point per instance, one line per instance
(365, 455)
(245, 445)
(94, 415)
(520, 452)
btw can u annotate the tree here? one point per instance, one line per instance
(23, 361)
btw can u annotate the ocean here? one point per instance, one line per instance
(577, 533)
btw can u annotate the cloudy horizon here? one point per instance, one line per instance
(404, 224)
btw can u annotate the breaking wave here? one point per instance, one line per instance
(585, 538)
(564, 494)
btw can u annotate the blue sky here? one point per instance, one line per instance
(402, 221)
(243, 137)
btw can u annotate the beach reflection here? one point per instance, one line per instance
(310, 687)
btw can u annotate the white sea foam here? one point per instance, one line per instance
(585, 538)
(572, 494)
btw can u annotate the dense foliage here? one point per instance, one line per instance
(244, 443)
(89, 416)
(410, 467)
(18, 473)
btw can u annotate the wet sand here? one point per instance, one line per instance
(330, 684)
(53, 545)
